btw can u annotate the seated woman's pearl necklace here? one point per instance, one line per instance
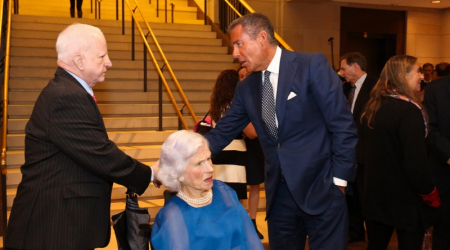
(202, 201)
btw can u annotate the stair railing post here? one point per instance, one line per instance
(99, 9)
(145, 64)
(132, 38)
(180, 125)
(95, 6)
(91, 6)
(160, 107)
(16, 7)
(123, 17)
(117, 10)
(173, 7)
(206, 11)
(157, 8)
(165, 9)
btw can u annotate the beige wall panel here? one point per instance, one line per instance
(445, 46)
(425, 23)
(411, 44)
(428, 46)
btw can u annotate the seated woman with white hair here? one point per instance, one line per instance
(205, 213)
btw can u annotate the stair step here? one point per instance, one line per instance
(118, 137)
(25, 61)
(17, 125)
(24, 110)
(48, 44)
(118, 37)
(105, 24)
(115, 84)
(29, 97)
(116, 54)
(48, 72)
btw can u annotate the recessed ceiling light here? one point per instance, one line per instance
(435, 1)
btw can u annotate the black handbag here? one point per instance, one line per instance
(203, 126)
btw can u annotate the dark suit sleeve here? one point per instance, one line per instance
(77, 129)
(230, 125)
(326, 88)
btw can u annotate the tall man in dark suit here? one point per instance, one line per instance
(63, 200)
(296, 104)
(437, 104)
(357, 90)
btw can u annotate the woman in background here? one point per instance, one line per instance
(229, 165)
(399, 191)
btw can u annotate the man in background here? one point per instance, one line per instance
(357, 89)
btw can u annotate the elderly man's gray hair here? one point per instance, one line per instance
(176, 151)
(76, 38)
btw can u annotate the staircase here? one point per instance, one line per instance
(184, 11)
(130, 114)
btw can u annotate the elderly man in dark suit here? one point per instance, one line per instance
(357, 89)
(437, 104)
(296, 104)
(63, 200)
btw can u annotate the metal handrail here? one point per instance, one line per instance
(99, 10)
(251, 10)
(177, 84)
(5, 91)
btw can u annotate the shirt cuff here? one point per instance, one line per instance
(151, 177)
(339, 182)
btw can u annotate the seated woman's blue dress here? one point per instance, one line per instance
(222, 225)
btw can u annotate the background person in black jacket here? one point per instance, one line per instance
(399, 192)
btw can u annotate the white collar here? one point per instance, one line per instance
(360, 81)
(274, 66)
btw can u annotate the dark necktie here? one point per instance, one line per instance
(351, 96)
(268, 106)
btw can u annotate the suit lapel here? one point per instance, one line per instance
(285, 80)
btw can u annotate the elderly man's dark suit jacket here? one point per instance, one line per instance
(317, 135)
(63, 201)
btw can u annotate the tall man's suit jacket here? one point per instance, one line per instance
(437, 104)
(360, 104)
(317, 135)
(63, 201)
